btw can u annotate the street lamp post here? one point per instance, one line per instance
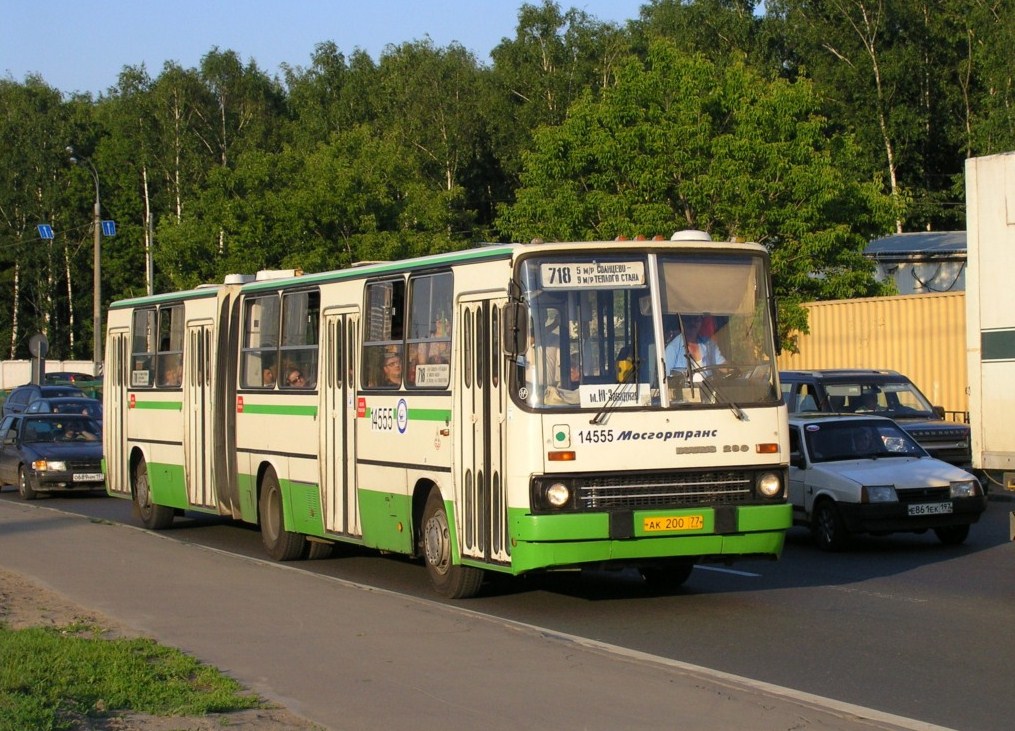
(97, 263)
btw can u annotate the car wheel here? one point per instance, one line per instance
(827, 527)
(665, 577)
(952, 535)
(280, 544)
(24, 489)
(448, 578)
(153, 516)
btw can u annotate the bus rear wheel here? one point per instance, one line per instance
(153, 517)
(281, 544)
(448, 578)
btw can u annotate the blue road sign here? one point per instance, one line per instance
(109, 228)
(45, 231)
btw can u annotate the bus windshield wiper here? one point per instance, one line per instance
(632, 377)
(614, 397)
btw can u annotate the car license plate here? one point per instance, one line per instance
(930, 509)
(673, 523)
(88, 477)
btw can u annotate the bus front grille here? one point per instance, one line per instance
(675, 489)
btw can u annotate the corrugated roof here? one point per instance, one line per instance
(918, 244)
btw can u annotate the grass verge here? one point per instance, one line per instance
(50, 677)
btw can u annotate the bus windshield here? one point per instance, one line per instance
(643, 330)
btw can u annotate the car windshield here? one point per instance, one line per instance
(641, 330)
(93, 410)
(61, 430)
(896, 400)
(832, 441)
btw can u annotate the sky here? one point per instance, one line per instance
(83, 45)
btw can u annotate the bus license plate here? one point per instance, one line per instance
(930, 509)
(88, 477)
(673, 523)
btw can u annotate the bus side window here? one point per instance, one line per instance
(259, 359)
(383, 334)
(170, 356)
(429, 337)
(301, 316)
(142, 360)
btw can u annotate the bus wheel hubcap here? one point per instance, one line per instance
(438, 553)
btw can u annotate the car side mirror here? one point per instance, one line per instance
(796, 459)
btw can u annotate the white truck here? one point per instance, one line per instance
(990, 316)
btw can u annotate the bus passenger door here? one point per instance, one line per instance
(480, 406)
(114, 428)
(198, 425)
(338, 412)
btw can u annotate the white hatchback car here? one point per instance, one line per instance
(865, 474)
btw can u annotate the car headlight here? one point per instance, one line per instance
(880, 494)
(43, 465)
(965, 488)
(769, 485)
(558, 494)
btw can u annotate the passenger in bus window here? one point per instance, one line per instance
(268, 378)
(392, 369)
(295, 379)
(542, 363)
(171, 376)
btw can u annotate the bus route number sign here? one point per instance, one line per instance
(592, 275)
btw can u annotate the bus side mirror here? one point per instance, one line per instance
(516, 328)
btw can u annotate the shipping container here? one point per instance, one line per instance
(922, 336)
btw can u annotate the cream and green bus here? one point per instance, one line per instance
(508, 408)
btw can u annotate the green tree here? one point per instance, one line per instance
(682, 143)
(892, 72)
(721, 30)
(35, 187)
(554, 58)
(430, 105)
(987, 75)
(329, 97)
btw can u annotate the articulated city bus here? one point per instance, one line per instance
(508, 408)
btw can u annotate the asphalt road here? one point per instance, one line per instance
(901, 624)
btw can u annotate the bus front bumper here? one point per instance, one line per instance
(575, 539)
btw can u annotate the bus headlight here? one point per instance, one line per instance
(558, 495)
(769, 485)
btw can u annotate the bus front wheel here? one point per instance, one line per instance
(448, 578)
(281, 544)
(153, 517)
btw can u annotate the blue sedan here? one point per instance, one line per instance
(43, 453)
